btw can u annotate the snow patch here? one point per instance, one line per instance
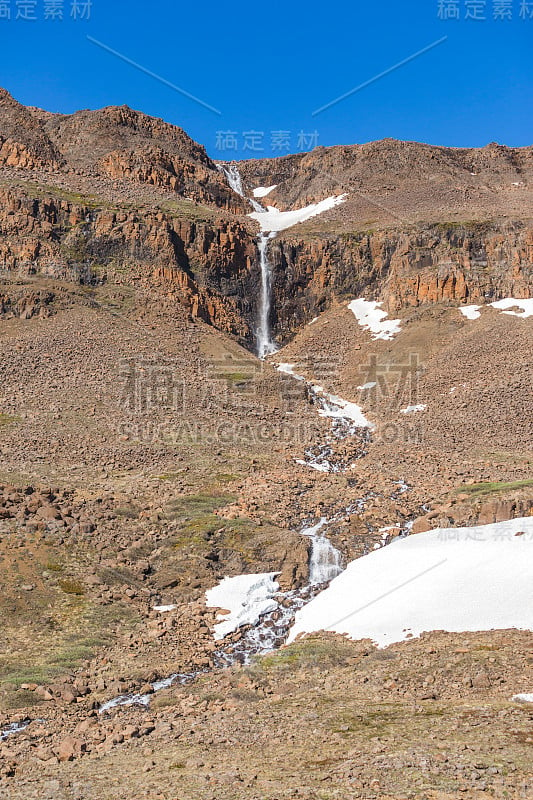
(525, 306)
(163, 609)
(470, 312)
(288, 369)
(452, 579)
(365, 386)
(337, 408)
(274, 220)
(507, 306)
(262, 191)
(522, 698)
(412, 409)
(371, 317)
(245, 597)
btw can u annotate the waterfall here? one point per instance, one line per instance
(325, 560)
(265, 343)
(234, 178)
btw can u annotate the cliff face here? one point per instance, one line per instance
(437, 263)
(208, 266)
(115, 195)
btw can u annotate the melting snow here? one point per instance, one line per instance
(470, 312)
(162, 609)
(452, 579)
(246, 598)
(365, 386)
(288, 369)
(275, 220)
(372, 318)
(507, 306)
(412, 409)
(337, 408)
(262, 191)
(526, 307)
(522, 698)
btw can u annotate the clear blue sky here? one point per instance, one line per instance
(267, 66)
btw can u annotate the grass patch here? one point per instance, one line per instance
(318, 652)
(8, 419)
(491, 487)
(53, 566)
(197, 505)
(71, 586)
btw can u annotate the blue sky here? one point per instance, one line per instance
(268, 67)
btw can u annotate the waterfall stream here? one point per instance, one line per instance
(265, 344)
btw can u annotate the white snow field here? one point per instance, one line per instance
(262, 191)
(470, 312)
(245, 597)
(508, 303)
(274, 220)
(452, 579)
(507, 306)
(371, 317)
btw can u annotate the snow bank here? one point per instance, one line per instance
(163, 609)
(507, 306)
(525, 306)
(470, 312)
(246, 598)
(262, 191)
(452, 579)
(288, 369)
(337, 408)
(522, 698)
(275, 220)
(413, 409)
(370, 316)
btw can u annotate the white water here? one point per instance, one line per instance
(234, 179)
(265, 343)
(15, 727)
(325, 560)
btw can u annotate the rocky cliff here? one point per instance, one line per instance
(436, 263)
(114, 195)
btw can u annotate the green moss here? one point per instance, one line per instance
(197, 505)
(490, 487)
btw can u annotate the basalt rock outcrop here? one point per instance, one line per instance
(431, 264)
(208, 267)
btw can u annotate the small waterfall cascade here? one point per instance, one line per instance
(325, 561)
(265, 343)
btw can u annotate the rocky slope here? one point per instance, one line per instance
(146, 454)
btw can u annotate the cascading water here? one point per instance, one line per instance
(265, 343)
(325, 560)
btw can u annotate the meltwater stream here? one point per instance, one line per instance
(272, 629)
(265, 343)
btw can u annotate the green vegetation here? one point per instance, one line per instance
(197, 505)
(7, 419)
(194, 212)
(491, 487)
(71, 586)
(318, 652)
